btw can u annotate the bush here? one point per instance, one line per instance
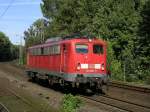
(116, 70)
(70, 103)
(113, 65)
(146, 75)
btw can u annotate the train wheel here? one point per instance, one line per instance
(104, 89)
(50, 81)
(37, 80)
(33, 77)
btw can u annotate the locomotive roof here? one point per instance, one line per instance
(58, 40)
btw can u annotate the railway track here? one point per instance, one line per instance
(129, 87)
(3, 108)
(20, 97)
(117, 103)
(13, 96)
(9, 97)
(122, 104)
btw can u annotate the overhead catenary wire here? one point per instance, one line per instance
(14, 3)
(9, 5)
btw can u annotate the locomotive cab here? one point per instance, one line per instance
(88, 62)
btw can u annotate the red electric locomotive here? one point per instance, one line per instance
(75, 60)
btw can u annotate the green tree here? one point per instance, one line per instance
(5, 47)
(36, 33)
(14, 51)
(143, 44)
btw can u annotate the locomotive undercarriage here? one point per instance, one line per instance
(95, 84)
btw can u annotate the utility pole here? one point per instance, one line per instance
(20, 52)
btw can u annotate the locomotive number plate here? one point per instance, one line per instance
(91, 65)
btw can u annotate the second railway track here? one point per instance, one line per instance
(129, 87)
(119, 104)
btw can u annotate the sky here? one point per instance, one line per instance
(19, 17)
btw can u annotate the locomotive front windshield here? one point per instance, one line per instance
(81, 48)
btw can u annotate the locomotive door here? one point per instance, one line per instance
(64, 58)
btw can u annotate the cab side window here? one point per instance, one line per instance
(42, 50)
(98, 49)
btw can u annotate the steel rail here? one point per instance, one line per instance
(105, 103)
(129, 86)
(3, 108)
(19, 97)
(98, 99)
(148, 107)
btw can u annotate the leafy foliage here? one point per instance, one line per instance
(14, 51)
(143, 44)
(5, 46)
(36, 33)
(7, 50)
(71, 103)
(144, 39)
